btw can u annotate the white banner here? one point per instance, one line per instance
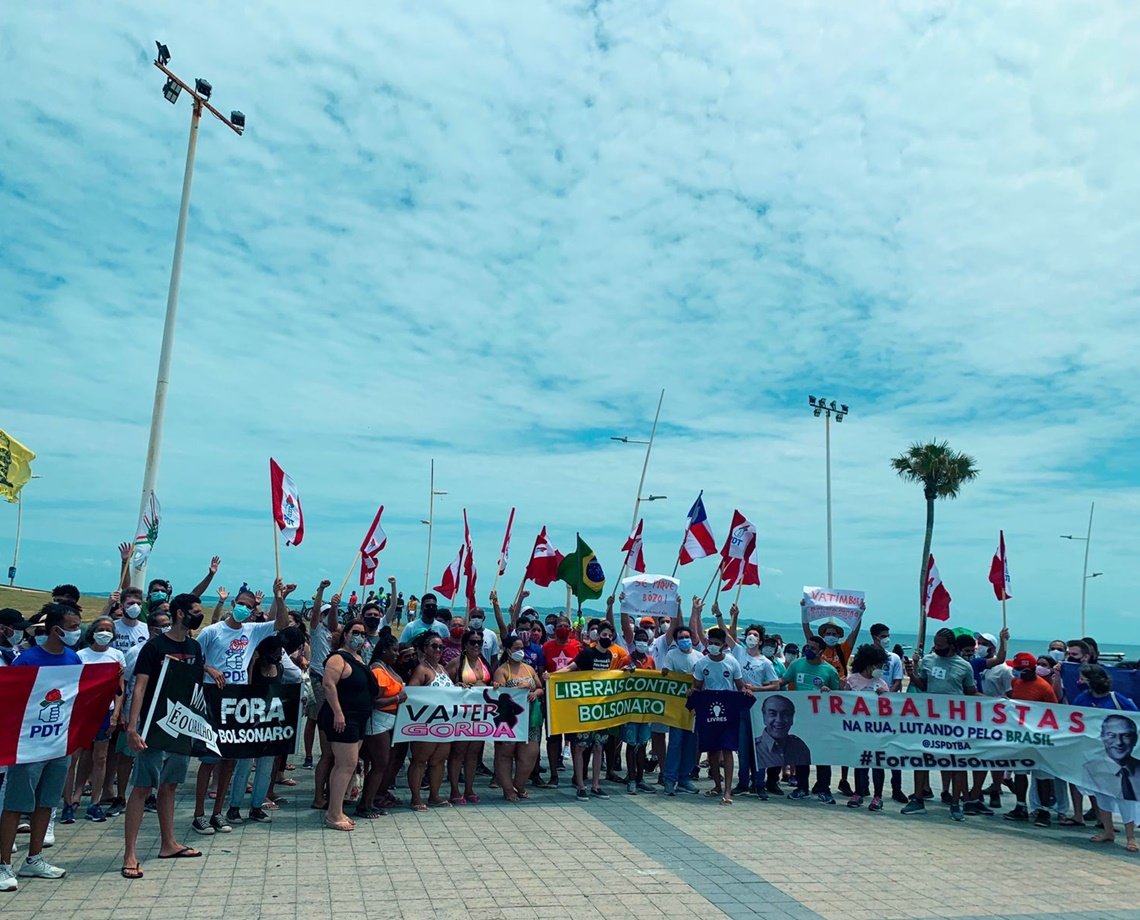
(650, 596)
(822, 605)
(444, 714)
(1092, 748)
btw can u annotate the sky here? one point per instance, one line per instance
(491, 234)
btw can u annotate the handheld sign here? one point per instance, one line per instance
(650, 596)
(842, 607)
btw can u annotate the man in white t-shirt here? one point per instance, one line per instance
(227, 649)
(130, 631)
(681, 753)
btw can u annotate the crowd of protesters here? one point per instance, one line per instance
(356, 661)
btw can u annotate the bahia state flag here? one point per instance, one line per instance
(582, 572)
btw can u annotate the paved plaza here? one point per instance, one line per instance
(630, 856)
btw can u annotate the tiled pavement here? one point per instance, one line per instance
(643, 856)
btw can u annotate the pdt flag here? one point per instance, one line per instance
(449, 585)
(634, 550)
(699, 540)
(544, 561)
(469, 565)
(505, 552)
(54, 711)
(736, 565)
(937, 597)
(286, 505)
(999, 571)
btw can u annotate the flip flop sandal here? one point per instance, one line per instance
(1132, 847)
(290, 767)
(132, 872)
(1066, 821)
(439, 804)
(726, 801)
(184, 853)
(455, 800)
(522, 793)
(419, 806)
(287, 781)
(713, 793)
(1100, 838)
(370, 813)
(472, 799)
(348, 826)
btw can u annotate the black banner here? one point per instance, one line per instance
(255, 722)
(179, 719)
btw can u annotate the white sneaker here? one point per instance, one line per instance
(7, 878)
(38, 867)
(49, 834)
(24, 827)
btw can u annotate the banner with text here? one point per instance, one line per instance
(820, 605)
(444, 714)
(1092, 748)
(178, 720)
(253, 721)
(588, 701)
(650, 596)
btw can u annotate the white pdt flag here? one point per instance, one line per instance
(937, 597)
(286, 505)
(146, 534)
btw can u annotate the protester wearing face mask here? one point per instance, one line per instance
(811, 673)
(559, 652)
(428, 757)
(12, 626)
(1031, 685)
(130, 630)
(477, 620)
(427, 622)
(227, 650)
(681, 753)
(868, 675)
(597, 657)
(515, 761)
(35, 788)
(759, 674)
(720, 671)
(635, 735)
(942, 671)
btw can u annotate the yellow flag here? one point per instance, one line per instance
(15, 466)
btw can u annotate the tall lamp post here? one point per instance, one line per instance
(432, 493)
(1085, 576)
(19, 528)
(200, 95)
(827, 410)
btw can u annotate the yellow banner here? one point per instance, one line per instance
(588, 701)
(15, 466)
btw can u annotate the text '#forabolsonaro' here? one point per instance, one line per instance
(614, 686)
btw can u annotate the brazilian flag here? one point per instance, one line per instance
(582, 572)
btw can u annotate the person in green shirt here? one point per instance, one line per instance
(811, 673)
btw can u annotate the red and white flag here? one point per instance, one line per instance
(506, 550)
(52, 712)
(999, 571)
(374, 541)
(699, 540)
(286, 505)
(937, 597)
(544, 560)
(469, 565)
(736, 566)
(449, 584)
(634, 550)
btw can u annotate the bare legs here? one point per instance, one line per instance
(345, 757)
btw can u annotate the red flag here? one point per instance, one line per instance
(368, 566)
(469, 564)
(505, 551)
(699, 540)
(999, 571)
(937, 597)
(286, 505)
(449, 584)
(374, 541)
(544, 561)
(634, 550)
(736, 555)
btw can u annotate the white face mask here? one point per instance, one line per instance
(885, 642)
(714, 649)
(768, 651)
(752, 640)
(41, 640)
(831, 641)
(476, 622)
(132, 611)
(1057, 655)
(877, 673)
(103, 637)
(71, 637)
(593, 634)
(642, 647)
(517, 655)
(164, 629)
(649, 632)
(550, 629)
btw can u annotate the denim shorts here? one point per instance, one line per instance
(636, 733)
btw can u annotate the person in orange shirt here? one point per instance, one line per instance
(837, 652)
(1031, 682)
(378, 734)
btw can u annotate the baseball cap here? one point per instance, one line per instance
(646, 621)
(13, 619)
(987, 638)
(1023, 660)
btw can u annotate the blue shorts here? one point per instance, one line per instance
(636, 733)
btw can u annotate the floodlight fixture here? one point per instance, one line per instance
(163, 54)
(171, 90)
(811, 400)
(237, 119)
(203, 87)
(816, 412)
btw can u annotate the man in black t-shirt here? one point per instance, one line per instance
(154, 768)
(592, 658)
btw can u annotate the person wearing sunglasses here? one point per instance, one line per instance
(428, 756)
(468, 670)
(350, 689)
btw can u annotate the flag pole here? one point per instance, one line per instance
(682, 546)
(621, 574)
(351, 569)
(569, 595)
(1003, 611)
(736, 600)
(716, 575)
(276, 551)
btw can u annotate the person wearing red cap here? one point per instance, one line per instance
(1031, 683)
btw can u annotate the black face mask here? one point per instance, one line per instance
(1028, 673)
(943, 652)
(605, 642)
(427, 613)
(372, 623)
(193, 620)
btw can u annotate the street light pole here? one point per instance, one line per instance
(645, 465)
(821, 407)
(1087, 538)
(432, 493)
(200, 95)
(19, 529)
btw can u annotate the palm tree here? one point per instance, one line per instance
(941, 472)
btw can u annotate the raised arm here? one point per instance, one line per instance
(279, 609)
(220, 606)
(695, 626)
(318, 603)
(201, 587)
(390, 611)
(125, 550)
(502, 624)
(627, 624)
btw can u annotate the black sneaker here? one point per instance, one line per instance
(760, 792)
(899, 796)
(219, 824)
(774, 789)
(259, 816)
(599, 793)
(995, 800)
(947, 799)
(308, 764)
(582, 795)
(151, 804)
(741, 789)
(233, 815)
(1020, 813)
(975, 808)
(1041, 818)
(845, 788)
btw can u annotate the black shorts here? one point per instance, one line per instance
(354, 725)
